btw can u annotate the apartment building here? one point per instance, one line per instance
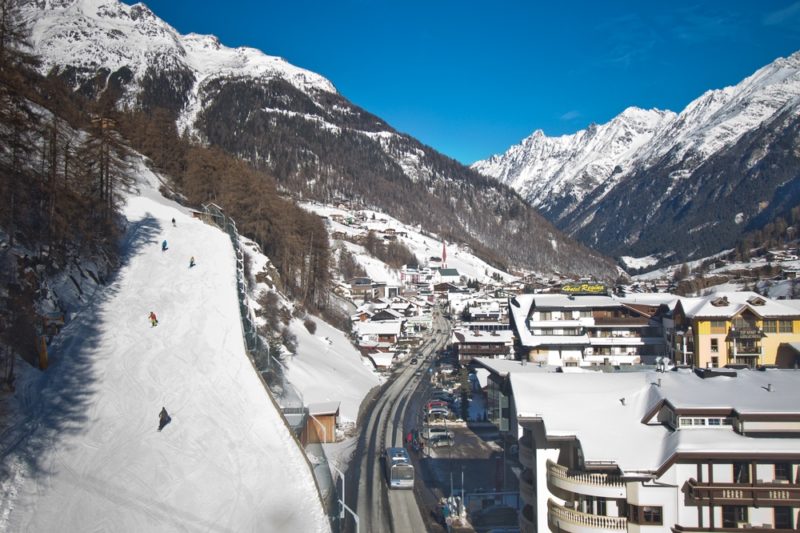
(737, 328)
(586, 330)
(682, 451)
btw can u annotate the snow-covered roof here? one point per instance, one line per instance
(589, 407)
(323, 408)
(382, 327)
(526, 301)
(729, 304)
(504, 367)
(471, 336)
(382, 359)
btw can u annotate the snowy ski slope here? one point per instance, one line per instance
(84, 453)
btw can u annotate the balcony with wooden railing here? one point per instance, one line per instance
(583, 482)
(751, 495)
(561, 518)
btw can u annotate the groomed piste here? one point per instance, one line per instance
(86, 453)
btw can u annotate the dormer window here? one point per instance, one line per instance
(720, 302)
(756, 300)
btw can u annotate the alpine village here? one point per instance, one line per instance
(233, 300)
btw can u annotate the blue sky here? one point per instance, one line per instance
(473, 78)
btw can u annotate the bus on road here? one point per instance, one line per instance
(399, 470)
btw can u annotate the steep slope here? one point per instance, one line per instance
(688, 169)
(293, 124)
(86, 454)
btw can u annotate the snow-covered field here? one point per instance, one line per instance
(82, 452)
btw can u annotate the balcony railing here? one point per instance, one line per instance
(586, 478)
(751, 495)
(466, 349)
(561, 518)
(745, 333)
(751, 529)
(586, 483)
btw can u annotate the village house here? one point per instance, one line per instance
(737, 328)
(470, 344)
(585, 330)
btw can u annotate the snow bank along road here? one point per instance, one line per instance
(87, 455)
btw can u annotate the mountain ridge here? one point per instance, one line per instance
(711, 126)
(292, 124)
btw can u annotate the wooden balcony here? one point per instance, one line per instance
(586, 483)
(561, 518)
(750, 495)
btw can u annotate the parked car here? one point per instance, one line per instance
(442, 396)
(435, 403)
(441, 441)
(432, 431)
(413, 361)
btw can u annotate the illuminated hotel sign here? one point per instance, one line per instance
(584, 288)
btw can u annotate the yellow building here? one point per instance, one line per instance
(737, 328)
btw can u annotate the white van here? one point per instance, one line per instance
(432, 431)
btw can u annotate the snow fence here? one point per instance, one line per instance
(287, 399)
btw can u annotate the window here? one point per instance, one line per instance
(586, 313)
(715, 362)
(783, 471)
(646, 515)
(714, 422)
(770, 326)
(717, 326)
(545, 315)
(785, 326)
(733, 515)
(651, 515)
(783, 518)
(715, 345)
(741, 472)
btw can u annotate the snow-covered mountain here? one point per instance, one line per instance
(584, 182)
(293, 124)
(85, 37)
(555, 173)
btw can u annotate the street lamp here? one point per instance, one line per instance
(341, 501)
(686, 333)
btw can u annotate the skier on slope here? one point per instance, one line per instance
(164, 246)
(153, 319)
(173, 222)
(191, 262)
(163, 418)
